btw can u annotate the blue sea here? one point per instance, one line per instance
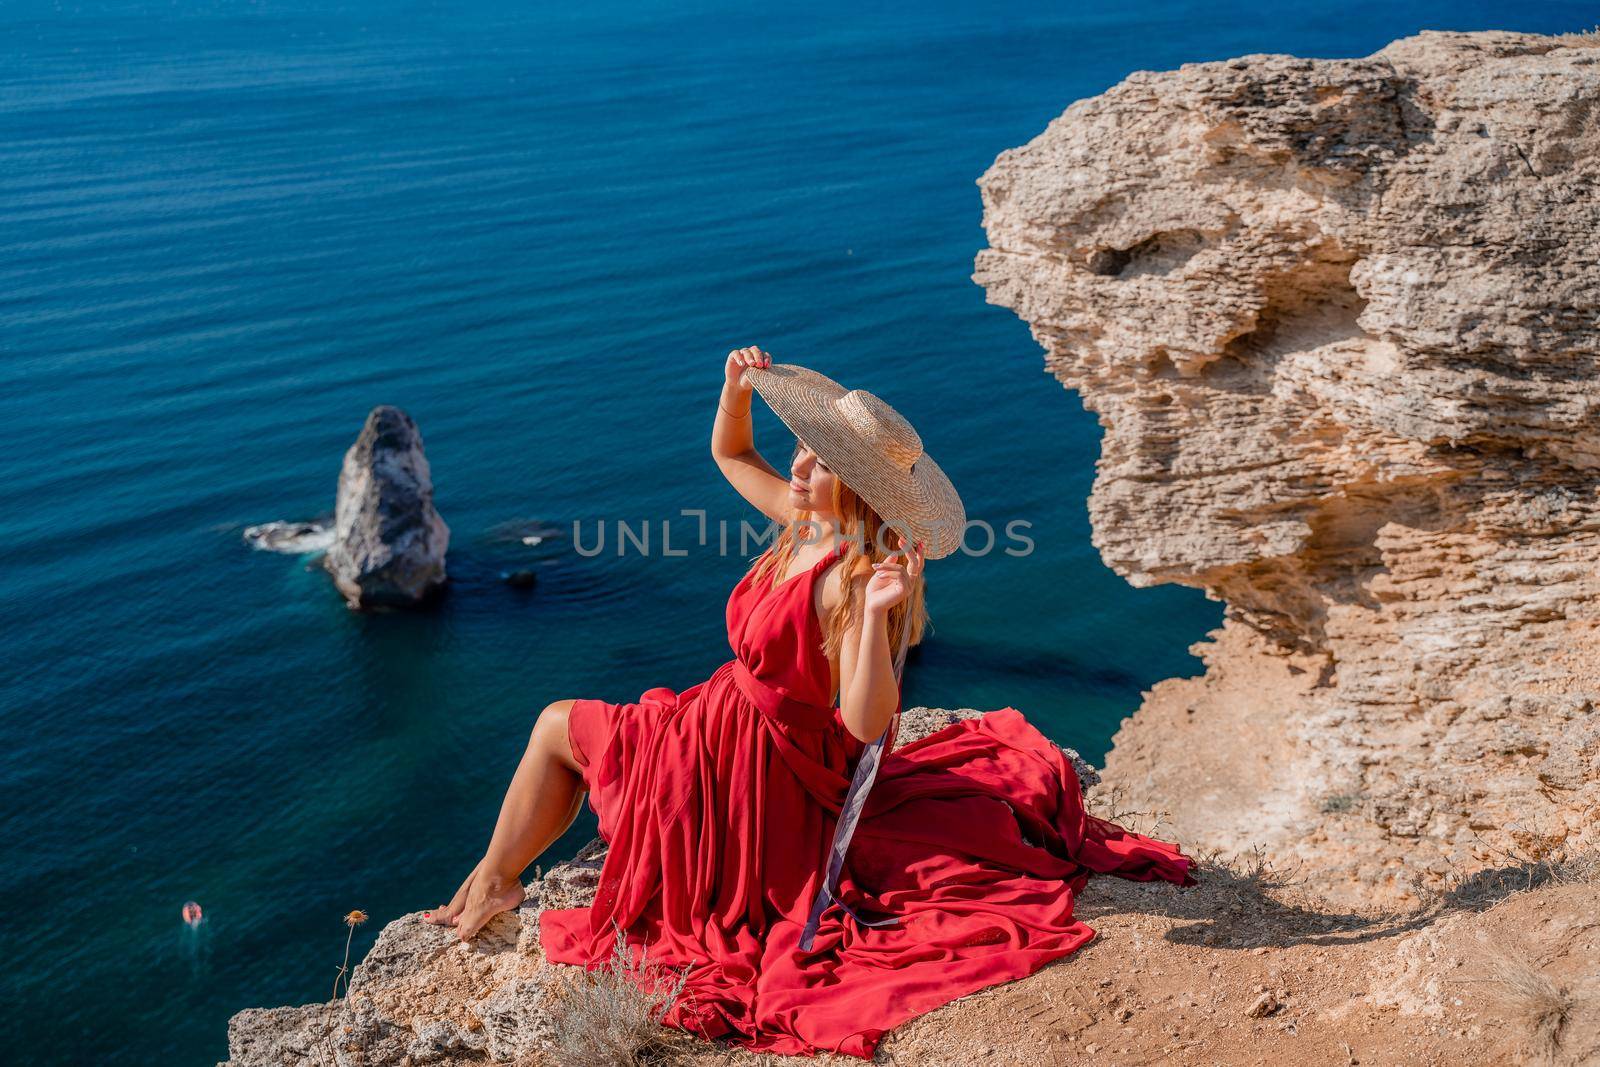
(228, 230)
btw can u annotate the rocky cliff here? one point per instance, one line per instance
(1340, 321)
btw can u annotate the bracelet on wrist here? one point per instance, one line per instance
(746, 415)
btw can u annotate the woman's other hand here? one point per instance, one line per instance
(891, 579)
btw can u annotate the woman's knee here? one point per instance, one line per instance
(550, 731)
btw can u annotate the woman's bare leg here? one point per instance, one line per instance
(541, 802)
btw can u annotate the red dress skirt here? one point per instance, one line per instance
(718, 805)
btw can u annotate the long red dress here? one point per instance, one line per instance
(718, 804)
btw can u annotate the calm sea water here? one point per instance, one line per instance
(227, 230)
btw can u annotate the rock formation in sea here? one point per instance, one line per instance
(1340, 322)
(389, 542)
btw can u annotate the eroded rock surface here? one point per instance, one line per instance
(389, 542)
(1340, 321)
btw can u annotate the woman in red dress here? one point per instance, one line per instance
(720, 804)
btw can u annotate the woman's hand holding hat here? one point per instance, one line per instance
(739, 359)
(874, 451)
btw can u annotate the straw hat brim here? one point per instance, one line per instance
(920, 499)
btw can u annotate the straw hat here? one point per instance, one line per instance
(872, 449)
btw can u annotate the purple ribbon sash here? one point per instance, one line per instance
(855, 799)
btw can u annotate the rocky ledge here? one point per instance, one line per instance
(421, 996)
(1340, 321)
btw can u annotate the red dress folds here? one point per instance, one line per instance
(719, 803)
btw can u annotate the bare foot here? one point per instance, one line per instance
(489, 896)
(447, 915)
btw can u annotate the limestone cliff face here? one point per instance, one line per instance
(1340, 321)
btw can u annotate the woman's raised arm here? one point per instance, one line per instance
(733, 443)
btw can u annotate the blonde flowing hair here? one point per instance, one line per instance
(861, 528)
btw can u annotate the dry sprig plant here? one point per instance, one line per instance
(612, 1015)
(1111, 802)
(326, 1053)
(352, 920)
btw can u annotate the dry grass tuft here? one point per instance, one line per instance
(1578, 868)
(612, 1015)
(1533, 859)
(1535, 1006)
(1583, 39)
(1248, 877)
